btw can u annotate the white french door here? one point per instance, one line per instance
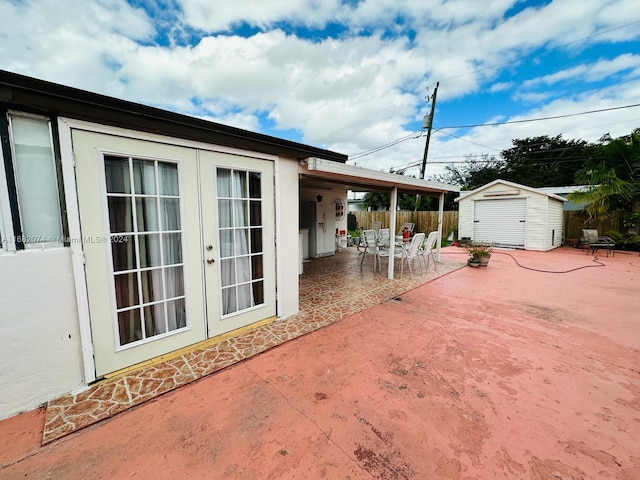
(238, 232)
(141, 246)
(178, 245)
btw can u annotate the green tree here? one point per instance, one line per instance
(544, 161)
(406, 201)
(537, 162)
(613, 174)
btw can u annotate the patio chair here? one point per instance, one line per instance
(593, 241)
(427, 250)
(409, 226)
(408, 252)
(384, 238)
(370, 238)
(376, 225)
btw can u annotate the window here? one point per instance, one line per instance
(145, 234)
(29, 195)
(240, 225)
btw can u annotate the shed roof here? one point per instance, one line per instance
(512, 185)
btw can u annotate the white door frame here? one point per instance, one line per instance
(65, 126)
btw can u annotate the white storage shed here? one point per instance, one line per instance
(508, 214)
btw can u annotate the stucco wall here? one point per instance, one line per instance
(287, 233)
(39, 338)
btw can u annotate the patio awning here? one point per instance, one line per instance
(366, 179)
(319, 173)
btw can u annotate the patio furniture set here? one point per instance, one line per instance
(407, 247)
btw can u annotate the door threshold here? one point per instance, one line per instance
(188, 349)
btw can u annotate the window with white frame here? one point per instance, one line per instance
(29, 195)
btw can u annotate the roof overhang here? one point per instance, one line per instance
(317, 171)
(19, 91)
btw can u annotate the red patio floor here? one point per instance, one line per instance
(502, 372)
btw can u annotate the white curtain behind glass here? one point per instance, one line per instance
(234, 242)
(36, 179)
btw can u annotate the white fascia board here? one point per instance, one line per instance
(361, 175)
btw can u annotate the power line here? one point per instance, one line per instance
(386, 145)
(440, 129)
(541, 118)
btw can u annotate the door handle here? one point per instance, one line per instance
(210, 261)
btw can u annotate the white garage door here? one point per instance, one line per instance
(502, 222)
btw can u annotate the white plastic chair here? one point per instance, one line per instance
(371, 246)
(409, 226)
(384, 238)
(427, 250)
(406, 252)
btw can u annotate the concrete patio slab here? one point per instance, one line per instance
(501, 372)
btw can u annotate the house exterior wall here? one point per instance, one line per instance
(41, 351)
(287, 206)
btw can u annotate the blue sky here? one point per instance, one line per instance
(350, 75)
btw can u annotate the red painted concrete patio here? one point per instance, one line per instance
(497, 372)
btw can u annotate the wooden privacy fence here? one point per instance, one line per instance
(574, 222)
(424, 221)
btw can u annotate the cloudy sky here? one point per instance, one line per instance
(351, 76)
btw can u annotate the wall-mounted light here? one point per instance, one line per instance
(319, 198)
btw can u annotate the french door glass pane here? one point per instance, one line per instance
(123, 253)
(241, 242)
(243, 269)
(174, 278)
(144, 176)
(150, 293)
(255, 188)
(239, 184)
(147, 214)
(256, 240)
(126, 290)
(152, 289)
(170, 212)
(120, 214)
(117, 173)
(129, 326)
(168, 179)
(149, 250)
(225, 217)
(172, 248)
(255, 209)
(240, 213)
(155, 320)
(224, 183)
(226, 243)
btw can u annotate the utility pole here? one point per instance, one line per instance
(426, 145)
(429, 125)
